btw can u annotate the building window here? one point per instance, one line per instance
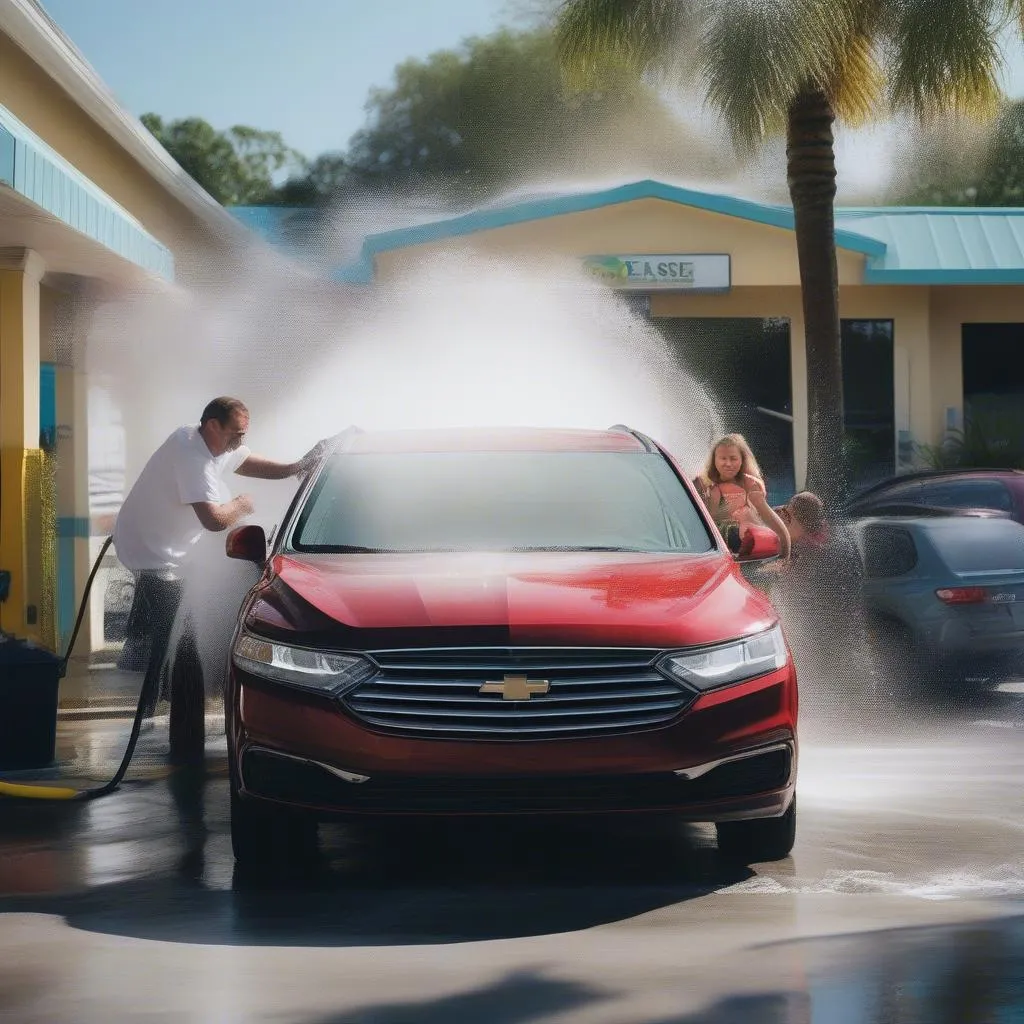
(868, 399)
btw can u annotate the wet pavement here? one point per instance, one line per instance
(903, 902)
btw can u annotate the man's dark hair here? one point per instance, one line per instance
(222, 409)
(808, 510)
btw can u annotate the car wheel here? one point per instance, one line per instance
(264, 835)
(758, 840)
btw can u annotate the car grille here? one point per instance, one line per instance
(291, 780)
(435, 693)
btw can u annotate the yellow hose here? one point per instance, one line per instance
(37, 792)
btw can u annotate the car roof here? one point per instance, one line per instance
(499, 439)
(933, 474)
(944, 524)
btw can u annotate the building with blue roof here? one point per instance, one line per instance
(932, 301)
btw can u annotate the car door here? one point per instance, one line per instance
(891, 560)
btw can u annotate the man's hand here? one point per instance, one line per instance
(308, 461)
(221, 517)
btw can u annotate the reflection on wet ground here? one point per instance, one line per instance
(898, 906)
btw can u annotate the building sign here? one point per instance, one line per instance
(699, 272)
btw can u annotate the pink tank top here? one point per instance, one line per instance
(736, 499)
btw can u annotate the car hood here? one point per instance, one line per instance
(535, 598)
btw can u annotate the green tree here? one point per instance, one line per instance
(792, 68)
(959, 168)
(325, 179)
(236, 166)
(494, 113)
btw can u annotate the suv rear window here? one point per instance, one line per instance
(500, 501)
(982, 546)
(967, 494)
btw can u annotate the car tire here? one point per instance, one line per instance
(758, 840)
(266, 836)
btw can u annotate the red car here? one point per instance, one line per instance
(508, 622)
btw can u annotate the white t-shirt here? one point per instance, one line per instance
(156, 527)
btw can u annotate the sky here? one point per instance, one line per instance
(305, 67)
(300, 67)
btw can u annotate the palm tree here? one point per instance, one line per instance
(792, 68)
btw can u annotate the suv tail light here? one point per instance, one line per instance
(962, 595)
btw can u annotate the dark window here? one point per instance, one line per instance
(868, 398)
(888, 551)
(967, 493)
(500, 501)
(897, 494)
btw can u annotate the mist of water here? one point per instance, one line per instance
(466, 339)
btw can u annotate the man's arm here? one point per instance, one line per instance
(268, 469)
(219, 517)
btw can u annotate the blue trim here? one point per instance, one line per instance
(47, 397)
(44, 177)
(931, 211)
(362, 271)
(74, 527)
(7, 148)
(938, 275)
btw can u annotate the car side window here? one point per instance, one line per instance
(888, 552)
(967, 494)
(894, 495)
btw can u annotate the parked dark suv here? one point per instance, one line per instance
(1000, 491)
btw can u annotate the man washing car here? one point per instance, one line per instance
(180, 493)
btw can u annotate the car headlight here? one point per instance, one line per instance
(317, 671)
(730, 663)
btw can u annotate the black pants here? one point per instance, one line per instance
(154, 611)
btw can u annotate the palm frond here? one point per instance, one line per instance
(945, 58)
(1013, 10)
(756, 56)
(595, 36)
(858, 86)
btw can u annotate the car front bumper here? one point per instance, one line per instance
(731, 755)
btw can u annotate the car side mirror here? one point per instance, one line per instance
(249, 543)
(753, 543)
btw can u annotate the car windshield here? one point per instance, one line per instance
(500, 501)
(981, 545)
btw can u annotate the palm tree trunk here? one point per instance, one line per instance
(811, 172)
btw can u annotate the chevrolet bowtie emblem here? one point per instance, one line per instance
(517, 687)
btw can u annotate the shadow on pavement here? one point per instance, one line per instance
(965, 974)
(437, 883)
(517, 999)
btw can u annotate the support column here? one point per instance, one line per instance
(20, 458)
(798, 386)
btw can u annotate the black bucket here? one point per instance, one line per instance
(29, 680)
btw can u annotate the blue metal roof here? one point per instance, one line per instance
(39, 173)
(903, 245)
(942, 245)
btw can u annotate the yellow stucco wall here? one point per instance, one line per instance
(48, 111)
(762, 255)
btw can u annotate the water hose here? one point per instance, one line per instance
(22, 791)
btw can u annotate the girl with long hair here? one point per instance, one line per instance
(732, 486)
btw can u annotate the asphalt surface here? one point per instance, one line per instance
(902, 902)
